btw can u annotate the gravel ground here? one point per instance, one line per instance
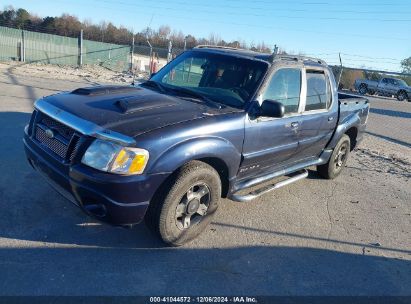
(349, 236)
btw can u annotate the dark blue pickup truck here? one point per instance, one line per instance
(215, 122)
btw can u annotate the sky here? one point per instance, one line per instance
(373, 34)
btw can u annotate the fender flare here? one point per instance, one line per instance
(350, 121)
(195, 149)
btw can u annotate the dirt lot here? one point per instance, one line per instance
(350, 236)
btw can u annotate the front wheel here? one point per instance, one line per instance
(185, 205)
(338, 159)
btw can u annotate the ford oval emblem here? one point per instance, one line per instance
(49, 133)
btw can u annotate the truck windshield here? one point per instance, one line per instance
(401, 82)
(225, 79)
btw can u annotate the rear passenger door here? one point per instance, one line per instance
(383, 86)
(320, 114)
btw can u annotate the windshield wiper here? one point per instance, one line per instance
(154, 84)
(196, 95)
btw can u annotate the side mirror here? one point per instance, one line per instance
(272, 108)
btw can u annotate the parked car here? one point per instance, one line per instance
(385, 87)
(212, 123)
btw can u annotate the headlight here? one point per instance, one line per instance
(110, 157)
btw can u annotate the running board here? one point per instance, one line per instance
(254, 194)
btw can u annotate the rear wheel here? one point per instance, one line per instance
(402, 96)
(337, 160)
(362, 89)
(186, 204)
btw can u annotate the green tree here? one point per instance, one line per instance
(22, 18)
(7, 16)
(406, 65)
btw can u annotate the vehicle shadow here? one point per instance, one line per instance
(390, 139)
(251, 271)
(391, 113)
(34, 211)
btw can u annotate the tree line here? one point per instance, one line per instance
(70, 26)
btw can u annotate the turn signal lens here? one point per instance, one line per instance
(130, 161)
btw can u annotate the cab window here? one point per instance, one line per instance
(187, 73)
(285, 87)
(318, 91)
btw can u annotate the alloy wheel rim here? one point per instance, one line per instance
(341, 156)
(193, 206)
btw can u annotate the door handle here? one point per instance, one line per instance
(294, 124)
(330, 118)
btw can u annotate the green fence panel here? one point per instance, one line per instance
(55, 49)
(50, 49)
(112, 56)
(10, 43)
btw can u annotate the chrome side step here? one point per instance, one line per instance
(256, 193)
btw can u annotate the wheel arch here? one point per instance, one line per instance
(222, 169)
(348, 126)
(352, 134)
(219, 153)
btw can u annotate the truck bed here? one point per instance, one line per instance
(352, 104)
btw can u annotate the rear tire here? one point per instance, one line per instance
(185, 204)
(363, 89)
(401, 96)
(338, 159)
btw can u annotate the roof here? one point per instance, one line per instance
(260, 56)
(234, 51)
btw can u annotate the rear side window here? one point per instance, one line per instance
(285, 87)
(318, 91)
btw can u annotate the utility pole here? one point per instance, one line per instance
(23, 47)
(170, 47)
(185, 43)
(80, 49)
(132, 55)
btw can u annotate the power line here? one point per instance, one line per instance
(261, 26)
(265, 8)
(173, 8)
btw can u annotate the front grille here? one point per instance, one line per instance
(53, 144)
(61, 129)
(64, 141)
(75, 144)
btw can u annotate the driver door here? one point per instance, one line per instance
(271, 143)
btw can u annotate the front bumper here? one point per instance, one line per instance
(116, 199)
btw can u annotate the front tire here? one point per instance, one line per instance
(185, 204)
(338, 159)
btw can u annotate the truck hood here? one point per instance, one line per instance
(132, 110)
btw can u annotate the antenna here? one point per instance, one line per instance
(133, 83)
(132, 51)
(274, 54)
(341, 70)
(149, 44)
